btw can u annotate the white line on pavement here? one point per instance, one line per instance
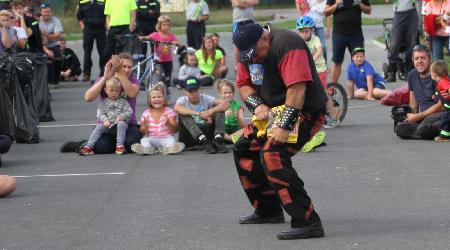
(66, 125)
(67, 175)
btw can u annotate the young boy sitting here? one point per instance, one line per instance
(370, 85)
(201, 118)
(70, 67)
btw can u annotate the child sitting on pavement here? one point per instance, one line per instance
(439, 73)
(201, 118)
(158, 125)
(234, 115)
(370, 85)
(113, 111)
(70, 68)
(190, 68)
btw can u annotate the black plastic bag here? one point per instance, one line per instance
(6, 92)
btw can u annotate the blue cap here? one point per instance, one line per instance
(245, 39)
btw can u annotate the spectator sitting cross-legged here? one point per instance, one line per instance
(158, 125)
(370, 85)
(425, 122)
(201, 118)
(190, 68)
(234, 115)
(70, 69)
(210, 60)
(119, 67)
(113, 115)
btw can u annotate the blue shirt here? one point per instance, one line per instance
(358, 74)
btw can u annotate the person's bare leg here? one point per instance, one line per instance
(7, 185)
(336, 72)
(380, 93)
(361, 94)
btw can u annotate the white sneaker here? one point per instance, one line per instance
(175, 148)
(141, 150)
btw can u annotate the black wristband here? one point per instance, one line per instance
(252, 101)
(289, 118)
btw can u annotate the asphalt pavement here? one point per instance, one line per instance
(371, 189)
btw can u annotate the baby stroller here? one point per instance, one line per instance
(405, 65)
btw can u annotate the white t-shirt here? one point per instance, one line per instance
(205, 102)
(316, 8)
(21, 34)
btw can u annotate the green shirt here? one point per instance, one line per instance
(208, 66)
(119, 11)
(313, 44)
(231, 122)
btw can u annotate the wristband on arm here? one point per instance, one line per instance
(289, 118)
(252, 101)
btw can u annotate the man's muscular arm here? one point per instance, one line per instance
(262, 111)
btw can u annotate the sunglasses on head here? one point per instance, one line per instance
(421, 47)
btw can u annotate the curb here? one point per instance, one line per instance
(379, 44)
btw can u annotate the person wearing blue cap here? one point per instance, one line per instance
(276, 70)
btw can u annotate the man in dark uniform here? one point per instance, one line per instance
(147, 14)
(276, 68)
(92, 20)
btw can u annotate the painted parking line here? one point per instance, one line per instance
(66, 125)
(68, 175)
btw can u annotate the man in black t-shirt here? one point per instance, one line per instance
(31, 26)
(276, 68)
(347, 31)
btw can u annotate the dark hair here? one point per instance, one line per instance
(186, 58)
(422, 48)
(215, 35)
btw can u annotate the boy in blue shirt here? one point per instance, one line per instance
(369, 84)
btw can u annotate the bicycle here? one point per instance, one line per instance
(153, 72)
(339, 98)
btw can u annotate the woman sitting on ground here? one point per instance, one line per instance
(211, 60)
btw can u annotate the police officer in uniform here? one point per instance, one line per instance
(147, 14)
(92, 20)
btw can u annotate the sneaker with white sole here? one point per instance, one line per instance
(317, 140)
(175, 148)
(141, 150)
(331, 123)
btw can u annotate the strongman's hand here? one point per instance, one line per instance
(279, 136)
(262, 112)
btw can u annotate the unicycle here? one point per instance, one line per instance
(339, 98)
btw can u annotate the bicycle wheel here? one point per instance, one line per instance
(339, 97)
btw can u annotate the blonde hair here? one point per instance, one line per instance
(159, 87)
(5, 13)
(224, 82)
(440, 68)
(162, 19)
(113, 82)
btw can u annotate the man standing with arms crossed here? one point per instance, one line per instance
(264, 163)
(92, 21)
(120, 20)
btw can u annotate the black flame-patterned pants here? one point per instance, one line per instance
(267, 176)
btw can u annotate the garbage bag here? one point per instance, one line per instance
(26, 126)
(6, 107)
(40, 89)
(24, 69)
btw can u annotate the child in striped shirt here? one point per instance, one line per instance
(158, 125)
